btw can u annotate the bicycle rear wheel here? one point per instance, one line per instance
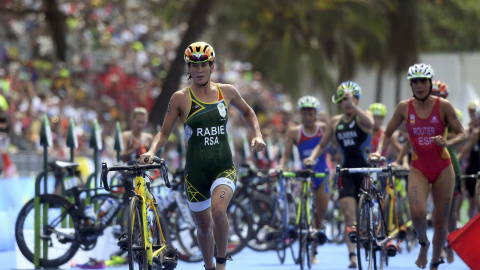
(137, 254)
(411, 239)
(59, 239)
(365, 253)
(240, 227)
(182, 234)
(333, 221)
(262, 213)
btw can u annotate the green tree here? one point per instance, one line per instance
(286, 39)
(196, 25)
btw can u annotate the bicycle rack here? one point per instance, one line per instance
(45, 141)
(72, 143)
(118, 146)
(96, 144)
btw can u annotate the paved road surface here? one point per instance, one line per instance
(331, 256)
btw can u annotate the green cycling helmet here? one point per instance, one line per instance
(308, 102)
(420, 71)
(345, 87)
(378, 109)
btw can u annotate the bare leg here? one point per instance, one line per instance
(205, 236)
(442, 191)
(221, 197)
(418, 189)
(321, 206)
(349, 206)
(452, 225)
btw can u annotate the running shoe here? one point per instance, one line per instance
(116, 260)
(92, 264)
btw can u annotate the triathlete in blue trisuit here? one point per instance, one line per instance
(306, 136)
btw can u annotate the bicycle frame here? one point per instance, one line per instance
(367, 188)
(304, 206)
(393, 204)
(306, 179)
(146, 197)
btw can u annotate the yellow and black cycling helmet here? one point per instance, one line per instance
(199, 52)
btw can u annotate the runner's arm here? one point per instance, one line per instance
(171, 117)
(454, 122)
(322, 145)
(249, 116)
(289, 141)
(393, 124)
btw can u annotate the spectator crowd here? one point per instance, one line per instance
(117, 60)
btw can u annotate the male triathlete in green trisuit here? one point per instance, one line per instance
(210, 173)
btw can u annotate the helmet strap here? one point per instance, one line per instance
(423, 99)
(429, 92)
(205, 83)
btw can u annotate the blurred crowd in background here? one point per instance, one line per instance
(113, 66)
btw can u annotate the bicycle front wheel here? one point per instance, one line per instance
(365, 253)
(59, 237)
(381, 233)
(137, 253)
(303, 236)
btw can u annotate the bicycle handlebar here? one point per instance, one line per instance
(304, 174)
(364, 170)
(136, 167)
(400, 172)
(471, 176)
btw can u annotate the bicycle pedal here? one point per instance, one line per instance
(391, 249)
(352, 237)
(292, 233)
(320, 237)
(123, 241)
(352, 234)
(169, 258)
(402, 233)
(273, 235)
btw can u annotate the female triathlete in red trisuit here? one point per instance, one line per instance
(427, 118)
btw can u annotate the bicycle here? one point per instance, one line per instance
(281, 227)
(370, 229)
(397, 215)
(146, 245)
(253, 191)
(304, 229)
(334, 221)
(477, 185)
(65, 220)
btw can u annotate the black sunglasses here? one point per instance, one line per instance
(419, 80)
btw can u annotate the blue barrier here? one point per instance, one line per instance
(14, 193)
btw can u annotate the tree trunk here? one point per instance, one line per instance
(398, 87)
(378, 86)
(196, 25)
(57, 22)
